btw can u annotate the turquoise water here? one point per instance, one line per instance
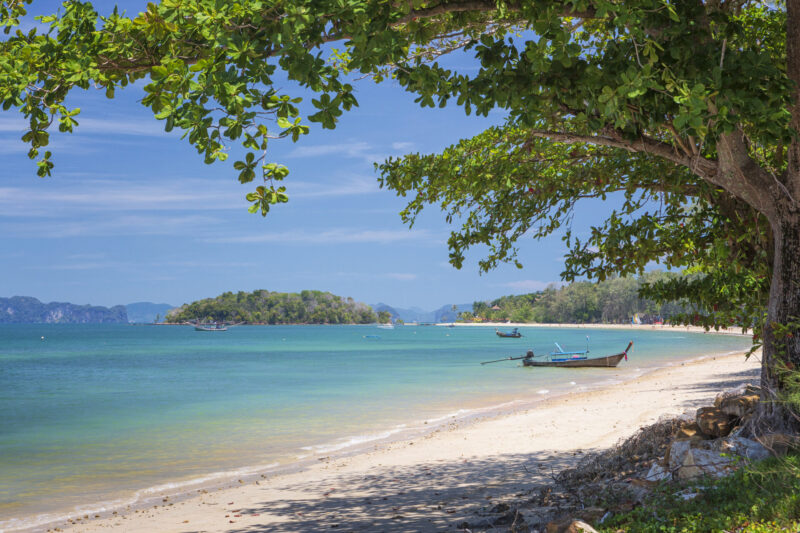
(102, 413)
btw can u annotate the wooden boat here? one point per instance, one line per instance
(578, 359)
(513, 334)
(210, 327)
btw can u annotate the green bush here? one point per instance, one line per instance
(762, 498)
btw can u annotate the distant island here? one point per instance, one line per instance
(29, 310)
(446, 313)
(265, 307)
(147, 312)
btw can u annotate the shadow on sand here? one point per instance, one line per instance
(434, 496)
(428, 497)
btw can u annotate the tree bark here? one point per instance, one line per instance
(781, 348)
(781, 352)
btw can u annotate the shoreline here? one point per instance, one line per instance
(629, 327)
(440, 443)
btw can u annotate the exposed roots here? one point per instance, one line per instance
(632, 454)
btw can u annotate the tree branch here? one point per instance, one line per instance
(700, 166)
(479, 6)
(741, 176)
(454, 7)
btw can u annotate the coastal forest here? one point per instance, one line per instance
(265, 307)
(613, 301)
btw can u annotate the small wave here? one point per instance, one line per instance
(455, 414)
(355, 440)
(216, 476)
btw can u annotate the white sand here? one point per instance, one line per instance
(649, 327)
(437, 481)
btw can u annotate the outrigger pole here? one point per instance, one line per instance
(506, 359)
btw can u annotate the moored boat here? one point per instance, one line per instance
(513, 334)
(210, 326)
(577, 359)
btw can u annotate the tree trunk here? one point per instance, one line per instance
(781, 352)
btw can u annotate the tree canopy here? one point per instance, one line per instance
(690, 110)
(613, 301)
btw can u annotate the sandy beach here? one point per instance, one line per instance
(435, 482)
(629, 327)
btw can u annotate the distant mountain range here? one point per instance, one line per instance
(415, 314)
(146, 312)
(29, 310)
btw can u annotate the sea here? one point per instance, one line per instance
(99, 417)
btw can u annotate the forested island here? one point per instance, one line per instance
(613, 301)
(266, 307)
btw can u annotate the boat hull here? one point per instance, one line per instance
(509, 335)
(605, 362)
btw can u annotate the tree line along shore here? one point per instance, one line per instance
(613, 301)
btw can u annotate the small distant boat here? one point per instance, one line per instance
(513, 334)
(577, 359)
(385, 326)
(210, 327)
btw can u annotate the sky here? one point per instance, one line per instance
(133, 214)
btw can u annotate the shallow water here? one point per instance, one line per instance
(104, 413)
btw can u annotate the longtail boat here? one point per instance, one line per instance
(213, 326)
(514, 334)
(577, 359)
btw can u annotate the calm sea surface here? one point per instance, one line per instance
(93, 416)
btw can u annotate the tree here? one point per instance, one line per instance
(690, 110)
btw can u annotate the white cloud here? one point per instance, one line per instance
(110, 194)
(530, 284)
(339, 187)
(111, 226)
(133, 266)
(401, 276)
(121, 126)
(81, 266)
(352, 150)
(77, 197)
(16, 125)
(332, 236)
(209, 264)
(402, 146)
(96, 126)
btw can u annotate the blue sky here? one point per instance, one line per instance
(133, 214)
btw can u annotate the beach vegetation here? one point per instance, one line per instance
(687, 113)
(760, 498)
(265, 307)
(612, 301)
